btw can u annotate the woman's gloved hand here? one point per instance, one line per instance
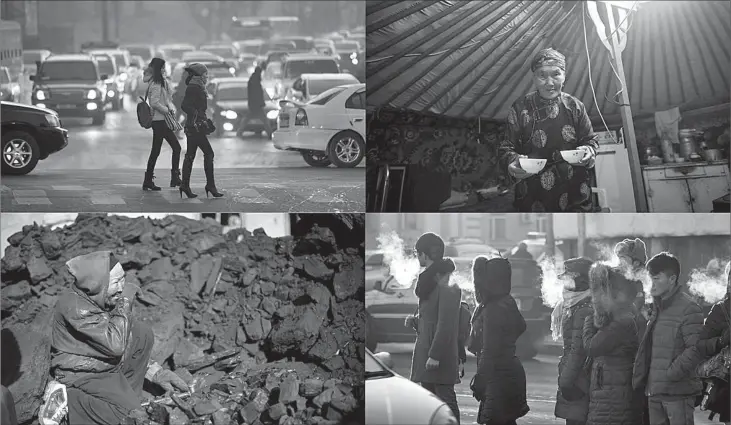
(165, 378)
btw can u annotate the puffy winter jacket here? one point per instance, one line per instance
(667, 357)
(612, 348)
(194, 104)
(86, 338)
(573, 376)
(500, 376)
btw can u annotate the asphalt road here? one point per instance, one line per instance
(542, 376)
(102, 169)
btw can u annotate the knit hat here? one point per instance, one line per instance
(430, 244)
(578, 268)
(548, 57)
(196, 69)
(634, 249)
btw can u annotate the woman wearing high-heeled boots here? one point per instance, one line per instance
(160, 99)
(195, 104)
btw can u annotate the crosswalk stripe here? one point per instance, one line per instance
(69, 187)
(32, 201)
(29, 193)
(174, 198)
(320, 197)
(107, 200)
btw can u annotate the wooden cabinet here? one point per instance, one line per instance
(685, 187)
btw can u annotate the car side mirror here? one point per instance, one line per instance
(385, 358)
(104, 76)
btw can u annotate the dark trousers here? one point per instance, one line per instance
(446, 393)
(108, 398)
(259, 114)
(198, 141)
(161, 131)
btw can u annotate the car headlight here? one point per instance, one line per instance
(40, 95)
(91, 95)
(354, 61)
(443, 416)
(52, 120)
(232, 70)
(123, 76)
(231, 115)
(272, 115)
(15, 89)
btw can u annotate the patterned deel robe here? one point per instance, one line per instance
(541, 128)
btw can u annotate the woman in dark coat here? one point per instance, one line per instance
(195, 105)
(611, 337)
(572, 399)
(497, 324)
(713, 338)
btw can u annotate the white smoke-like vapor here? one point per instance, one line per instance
(709, 283)
(552, 286)
(402, 267)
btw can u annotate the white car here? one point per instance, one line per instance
(395, 400)
(329, 129)
(308, 86)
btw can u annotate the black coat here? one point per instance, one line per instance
(195, 104)
(709, 344)
(255, 93)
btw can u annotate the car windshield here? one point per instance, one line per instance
(276, 57)
(226, 52)
(232, 93)
(374, 369)
(175, 53)
(375, 260)
(347, 46)
(326, 96)
(30, 58)
(295, 69)
(121, 59)
(219, 71)
(301, 43)
(106, 66)
(316, 87)
(76, 70)
(251, 49)
(140, 51)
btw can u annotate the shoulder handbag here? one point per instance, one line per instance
(719, 365)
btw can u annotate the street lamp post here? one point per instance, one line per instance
(105, 21)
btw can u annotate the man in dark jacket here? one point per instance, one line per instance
(435, 363)
(667, 357)
(97, 350)
(256, 102)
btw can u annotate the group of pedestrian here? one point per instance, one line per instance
(165, 115)
(627, 363)
(624, 362)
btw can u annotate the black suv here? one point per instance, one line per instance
(72, 86)
(29, 134)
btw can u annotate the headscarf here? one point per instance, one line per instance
(548, 57)
(196, 71)
(91, 275)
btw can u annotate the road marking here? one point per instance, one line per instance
(31, 193)
(107, 200)
(249, 196)
(267, 185)
(69, 187)
(324, 197)
(33, 201)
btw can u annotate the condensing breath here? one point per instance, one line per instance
(709, 283)
(404, 268)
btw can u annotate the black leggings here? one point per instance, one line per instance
(198, 141)
(161, 131)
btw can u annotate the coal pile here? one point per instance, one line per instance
(264, 330)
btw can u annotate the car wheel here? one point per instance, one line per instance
(99, 119)
(316, 159)
(20, 153)
(346, 149)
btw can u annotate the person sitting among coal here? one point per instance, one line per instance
(540, 125)
(98, 351)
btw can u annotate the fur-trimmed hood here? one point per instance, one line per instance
(612, 293)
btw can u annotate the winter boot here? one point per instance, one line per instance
(175, 178)
(185, 184)
(210, 182)
(149, 184)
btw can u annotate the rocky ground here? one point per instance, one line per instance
(264, 330)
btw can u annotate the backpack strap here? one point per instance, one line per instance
(148, 91)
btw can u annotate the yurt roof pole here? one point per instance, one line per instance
(616, 44)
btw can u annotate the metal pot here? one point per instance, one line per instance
(711, 155)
